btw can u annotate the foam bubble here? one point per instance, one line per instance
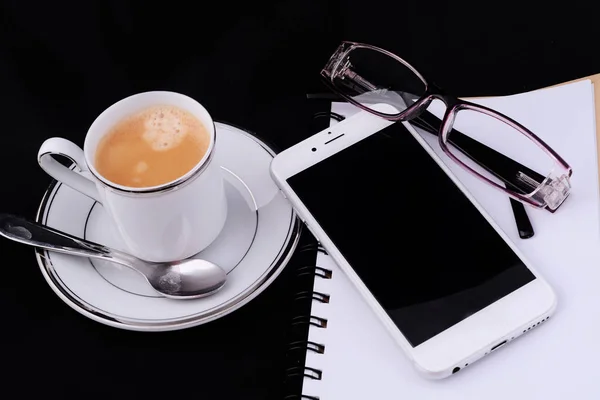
(141, 167)
(165, 128)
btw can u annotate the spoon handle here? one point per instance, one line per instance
(32, 233)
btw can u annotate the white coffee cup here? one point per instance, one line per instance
(162, 223)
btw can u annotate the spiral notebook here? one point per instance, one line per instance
(342, 351)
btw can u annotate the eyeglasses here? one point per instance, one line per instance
(383, 84)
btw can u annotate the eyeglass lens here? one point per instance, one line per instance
(497, 136)
(371, 77)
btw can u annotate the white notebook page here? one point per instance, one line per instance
(558, 360)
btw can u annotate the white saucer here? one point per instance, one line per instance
(259, 237)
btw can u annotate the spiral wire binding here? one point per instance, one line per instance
(313, 246)
(300, 397)
(302, 322)
(298, 347)
(331, 115)
(322, 297)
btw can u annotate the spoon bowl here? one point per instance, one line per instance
(185, 279)
(191, 278)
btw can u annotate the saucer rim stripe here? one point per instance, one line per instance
(278, 264)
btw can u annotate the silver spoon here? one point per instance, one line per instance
(186, 279)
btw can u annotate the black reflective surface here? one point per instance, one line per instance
(421, 247)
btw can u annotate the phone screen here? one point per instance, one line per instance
(416, 241)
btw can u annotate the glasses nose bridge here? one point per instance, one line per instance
(451, 103)
(432, 93)
(435, 92)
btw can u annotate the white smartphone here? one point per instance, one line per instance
(441, 275)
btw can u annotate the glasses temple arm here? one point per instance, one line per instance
(524, 227)
(497, 164)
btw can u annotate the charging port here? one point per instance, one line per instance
(498, 345)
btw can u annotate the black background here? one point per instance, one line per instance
(249, 63)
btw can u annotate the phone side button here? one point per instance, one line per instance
(283, 194)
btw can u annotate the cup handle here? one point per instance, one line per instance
(68, 149)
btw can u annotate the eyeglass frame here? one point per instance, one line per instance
(453, 106)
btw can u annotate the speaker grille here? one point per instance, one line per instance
(458, 368)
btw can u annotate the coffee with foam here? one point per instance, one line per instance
(152, 147)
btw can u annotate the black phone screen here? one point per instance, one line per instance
(416, 241)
